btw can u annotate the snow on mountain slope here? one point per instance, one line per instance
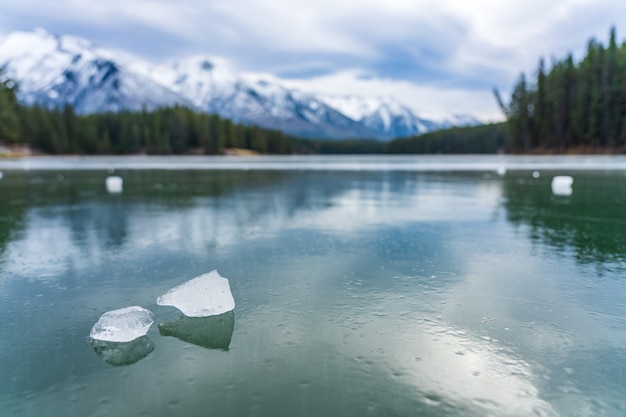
(58, 70)
(390, 119)
(200, 79)
(212, 87)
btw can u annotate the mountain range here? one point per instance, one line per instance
(58, 70)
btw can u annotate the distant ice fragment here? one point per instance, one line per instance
(206, 295)
(114, 184)
(501, 170)
(536, 174)
(562, 185)
(122, 325)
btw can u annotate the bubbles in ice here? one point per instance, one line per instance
(562, 185)
(206, 295)
(122, 325)
(114, 184)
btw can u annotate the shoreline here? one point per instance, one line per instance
(496, 165)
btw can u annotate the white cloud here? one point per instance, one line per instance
(431, 55)
(427, 101)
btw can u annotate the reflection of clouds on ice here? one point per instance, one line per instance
(46, 248)
(55, 241)
(530, 308)
(464, 368)
(358, 208)
(397, 329)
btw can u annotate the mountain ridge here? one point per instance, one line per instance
(58, 70)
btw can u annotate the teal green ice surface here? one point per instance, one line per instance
(359, 292)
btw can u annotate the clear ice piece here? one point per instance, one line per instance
(203, 296)
(122, 325)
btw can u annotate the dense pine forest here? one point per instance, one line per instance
(573, 106)
(482, 139)
(175, 130)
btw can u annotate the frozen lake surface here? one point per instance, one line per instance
(364, 286)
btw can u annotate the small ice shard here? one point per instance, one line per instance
(501, 170)
(206, 295)
(536, 174)
(214, 332)
(122, 325)
(123, 353)
(114, 184)
(562, 185)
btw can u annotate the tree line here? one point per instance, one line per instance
(171, 130)
(481, 139)
(180, 130)
(573, 105)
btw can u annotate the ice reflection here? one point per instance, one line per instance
(78, 236)
(475, 372)
(123, 353)
(213, 332)
(589, 221)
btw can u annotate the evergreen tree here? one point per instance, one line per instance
(572, 104)
(9, 121)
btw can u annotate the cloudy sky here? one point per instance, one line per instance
(435, 56)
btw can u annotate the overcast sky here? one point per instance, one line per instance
(435, 56)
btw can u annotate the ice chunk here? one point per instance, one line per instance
(536, 174)
(114, 184)
(206, 295)
(501, 170)
(214, 332)
(122, 325)
(124, 353)
(562, 185)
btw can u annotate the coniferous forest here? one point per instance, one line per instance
(175, 130)
(573, 105)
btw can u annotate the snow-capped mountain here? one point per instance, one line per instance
(56, 70)
(213, 88)
(385, 116)
(391, 119)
